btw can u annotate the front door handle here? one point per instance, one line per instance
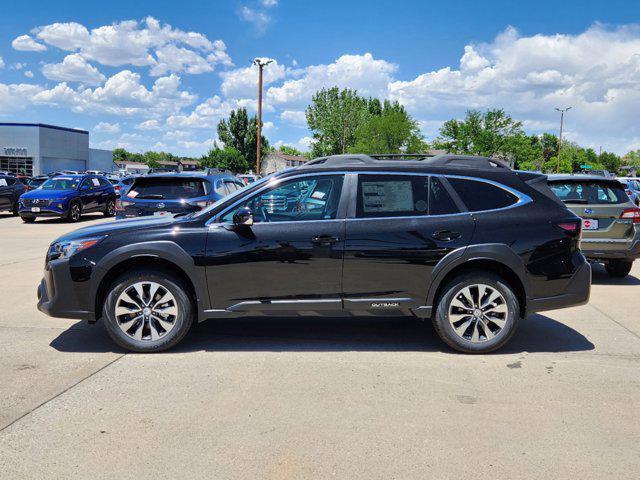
(324, 240)
(446, 235)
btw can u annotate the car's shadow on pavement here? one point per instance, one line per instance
(599, 276)
(319, 334)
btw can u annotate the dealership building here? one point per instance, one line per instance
(37, 149)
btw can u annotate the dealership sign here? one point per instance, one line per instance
(15, 152)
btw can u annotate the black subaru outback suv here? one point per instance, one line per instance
(464, 241)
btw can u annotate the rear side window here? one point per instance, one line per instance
(167, 188)
(402, 196)
(479, 196)
(592, 192)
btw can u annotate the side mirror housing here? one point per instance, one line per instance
(243, 217)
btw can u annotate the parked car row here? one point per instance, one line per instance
(70, 194)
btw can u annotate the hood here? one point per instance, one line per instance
(48, 194)
(115, 227)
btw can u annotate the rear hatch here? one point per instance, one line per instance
(160, 196)
(607, 213)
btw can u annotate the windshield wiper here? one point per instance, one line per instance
(155, 196)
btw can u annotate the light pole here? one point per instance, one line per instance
(561, 110)
(260, 62)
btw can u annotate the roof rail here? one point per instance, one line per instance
(448, 160)
(468, 161)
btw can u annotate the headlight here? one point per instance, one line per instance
(67, 249)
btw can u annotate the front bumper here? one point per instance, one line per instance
(576, 293)
(62, 297)
(48, 211)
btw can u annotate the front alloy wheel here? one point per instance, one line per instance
(74, 212)
(146, 311)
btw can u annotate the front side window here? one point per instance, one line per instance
(303, 199)
(402, 196)
(479, 196)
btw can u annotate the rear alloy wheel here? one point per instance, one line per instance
(618, 268)
(477, 313)
(147, 311)
(74, 213)
(110, 211)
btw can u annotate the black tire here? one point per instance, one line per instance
(618, 268)
(28, 219)
(183, 320)
(110, 210)
(446, 330)
(14, 212)
(74, 213)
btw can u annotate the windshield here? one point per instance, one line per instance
(589, 192)
(61, 183)
(235, 194)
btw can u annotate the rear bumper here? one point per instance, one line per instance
(576, 293)
(611, 249)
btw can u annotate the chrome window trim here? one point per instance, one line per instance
(523, 198)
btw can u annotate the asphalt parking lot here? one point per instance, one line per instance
(312, 397)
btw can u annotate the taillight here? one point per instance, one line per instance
(122, 204)
(118, 188)
(570, 227)
(632, 213)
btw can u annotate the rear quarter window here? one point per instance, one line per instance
(592, 192)
(478, 195)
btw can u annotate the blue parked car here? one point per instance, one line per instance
(173, 193)
(68, 197)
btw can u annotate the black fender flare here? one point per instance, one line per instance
(163, 249)
(495, 252)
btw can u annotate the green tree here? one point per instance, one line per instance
(632, 159)
(227, 158)
(152, 159)
(333, 118)
(480, 133)
(120, 155)
(241, 132)
(610, 161)
(288, 150)
(392, 130)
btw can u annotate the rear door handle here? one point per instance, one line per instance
(324, 240)
(446, 235)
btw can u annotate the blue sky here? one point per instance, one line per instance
(159, 75)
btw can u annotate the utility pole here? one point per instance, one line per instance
(561, 110)
(261, 63)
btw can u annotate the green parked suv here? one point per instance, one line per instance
(610, 220)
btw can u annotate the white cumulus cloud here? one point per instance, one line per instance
(243, 82)
(106, 127)
(25, 43)
(74, 68)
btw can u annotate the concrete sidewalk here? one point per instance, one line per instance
(312, 397)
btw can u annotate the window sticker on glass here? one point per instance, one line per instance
(387, 196)
(96, 182)
(3, 182)
(318, 195)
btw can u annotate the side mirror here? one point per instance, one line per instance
(243, 217)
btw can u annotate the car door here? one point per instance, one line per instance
(6, 193)
(290, 259)
(88, 195)
(401, 227)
